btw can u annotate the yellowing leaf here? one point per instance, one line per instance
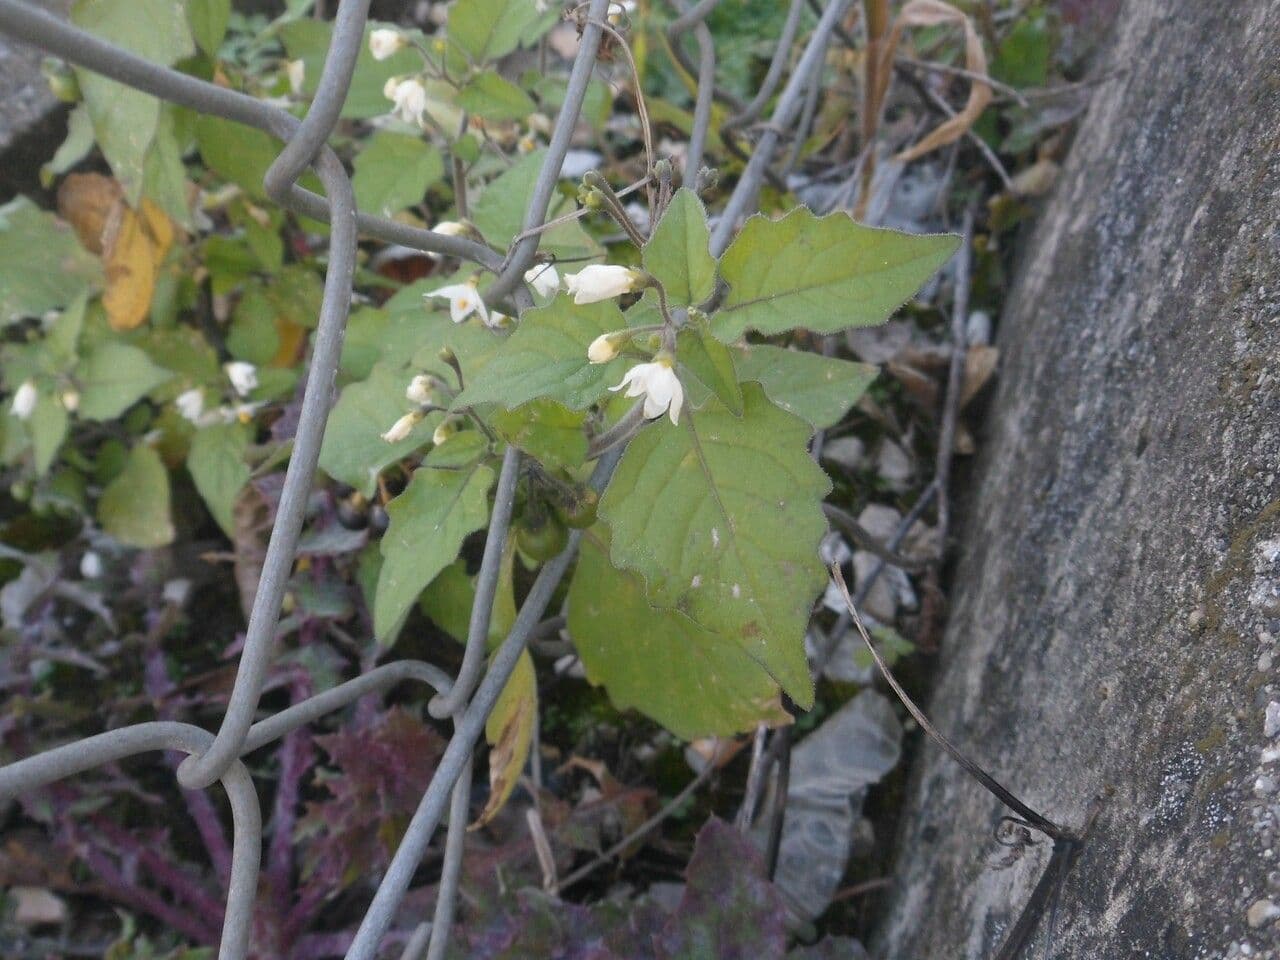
(509, 731)
(134, 244)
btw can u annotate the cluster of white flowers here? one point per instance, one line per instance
(244, 380)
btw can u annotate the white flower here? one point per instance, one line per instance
(420, 389)
(243, 376)
(601, 281)
(296, 71)
(24, 401)
(464, 300)
(90, 565)
(527, 144)
(71, 400)
(544, 279)
(240, 413)
(603, 348)
(497, 321)
(190, 404)
(450, 228)
(659, 385)
(410, 98)
(384, 43)
(402, 427)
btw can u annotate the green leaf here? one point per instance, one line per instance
(307, 40)
(694, 682)
(710, 361)
(460, 450)
(489, 96)
(216, 463)
(429, 521)
(819, 389)
(125, 120)
(74, 148)
(208, 20)
(353, 450)
(1023, 57)
(114, 377)
(134, 507)
(48, 427)
(546, 356)
(678, 253)
(42, 265)
(722, 517)
(393, 172)
(235, 152)
(547, 431)
(488, 29)
(498, 212)
(821, 273)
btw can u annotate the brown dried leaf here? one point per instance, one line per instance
(932, 13)
(979, 365)
(86, 200)
(509, 731)
(134, 245)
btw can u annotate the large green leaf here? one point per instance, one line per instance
(489, 96)
(694, 682)
(822, 273)
(208, 20)
(42, 265)
(678, 253)
(722, 516)
(819, 389)
(114, 377)
(393, 172)
(216, 463)
(48, 427)
(238, 153)
(353, 450)
(488, 29)
(547, 431)
(429, 521)
(546, 356)
(498, 212)
(125, 120)
(135, 506)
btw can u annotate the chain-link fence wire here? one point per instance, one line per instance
(468, 699)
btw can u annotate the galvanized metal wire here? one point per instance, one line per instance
(216, 757)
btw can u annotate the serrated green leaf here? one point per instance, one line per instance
(353, 450)
(115, 376)
(125, 120)
(429, 521)
(694, 682)
(134, 507)
(42, 265)
(208, 20)
(546, 356)
(819, 389)
(547, 431)
(678, 252)
(489, 96)
(48, 428)
(393, 172)
(722, 517)
(709, 360)
(821, 273)
(488, 29)
(216, 464)
(498, 212)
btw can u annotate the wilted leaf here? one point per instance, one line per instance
(509, 731)
(134, 243)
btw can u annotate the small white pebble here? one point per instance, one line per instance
(1264, 785)
(90, 565)
(1271, 754)
(1271, 726)
(1262, 913)
(1264, 662)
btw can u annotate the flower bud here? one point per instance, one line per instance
(24, 400)
(402, 427)
(71, 400)
(604, 348)
(602, 281)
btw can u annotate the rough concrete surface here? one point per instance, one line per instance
(1116, 614)
(32, 121)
